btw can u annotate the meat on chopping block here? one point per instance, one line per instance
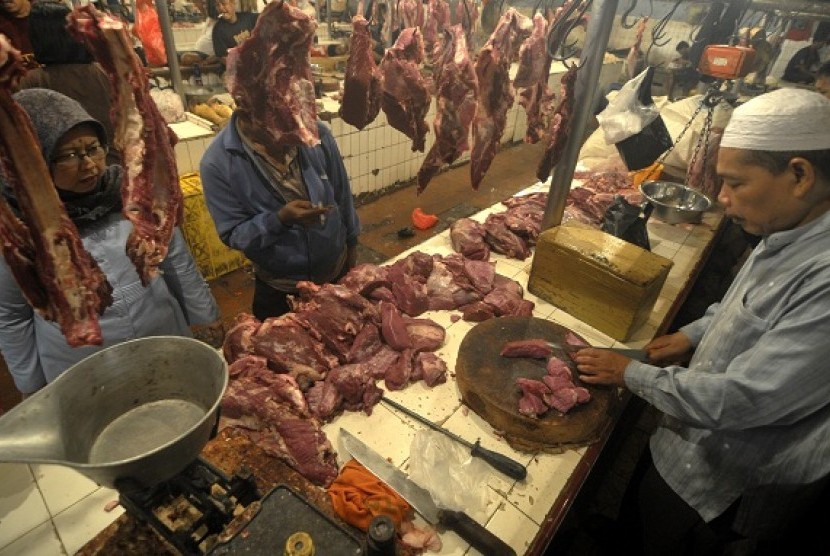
(457, 93)
(531, 81)
(560, 125)
(44, 251)
(362, 83)
(406, 98)
(150, 192)
(496, 93)
(536, 348)
(269, 76)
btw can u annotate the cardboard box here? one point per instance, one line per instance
(603, 281)
(213, 257)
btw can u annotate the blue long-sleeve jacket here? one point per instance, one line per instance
(244, 207)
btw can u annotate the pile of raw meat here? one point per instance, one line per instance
(557, 389)
(291, 373)
(473, 92)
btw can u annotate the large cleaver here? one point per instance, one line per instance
(480, 538)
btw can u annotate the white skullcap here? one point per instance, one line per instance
(783, 120)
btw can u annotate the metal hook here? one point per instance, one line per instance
(626, 13)
(562, 27)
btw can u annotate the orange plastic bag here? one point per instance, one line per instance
(422, 220)
(148, 31)
(357, 496)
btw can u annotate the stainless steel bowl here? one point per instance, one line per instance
(675, 203)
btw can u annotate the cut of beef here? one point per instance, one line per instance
(466, 14)
(437, 19)
(507, 303)
(558, 367)
(398, 375)
(481, 275)
(362, 84)
(323, 400)
(560, 126)
(365, 278)
(150, 192)
(534, 348)
(410, 295)
(430, 368)
(248, 365)
(406, 99)
(456, 102)
(366, 344)
(495, 97)
(531, 81)
(381, 361)
(562, 400)
(467, 237)
(531, 403)
(426, 334)
(44, 251)
(393, 327)
(238, 339)
(478, 311)
(417, 265)
(502, 240)
(269, 77)
(356, 385)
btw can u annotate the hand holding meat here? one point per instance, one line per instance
(672, 348)
(301, 212)
(598, 366)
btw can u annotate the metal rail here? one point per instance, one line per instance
(170, 48)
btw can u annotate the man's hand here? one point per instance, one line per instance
(671, 349)
(301, 212)
(212, 334)
(600, 366)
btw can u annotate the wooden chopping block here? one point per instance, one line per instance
(487, 382)
(602, 280)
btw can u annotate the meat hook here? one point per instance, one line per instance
(562, 27)
(627, 13)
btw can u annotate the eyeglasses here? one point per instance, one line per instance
(72, 160)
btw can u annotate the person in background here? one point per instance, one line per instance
(203, 48)
(290, 211)
(178, 302)
(67, 67)
(823, 80)
(681, 73)
(231, 28)
(741, 459)
(800, 68)
(14, 23)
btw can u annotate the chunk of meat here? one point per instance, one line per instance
(393, 327)
(456, 102)
(426, 334)
(531, 81)
(269, 77)
(562, 400)
(362, 83)
(502, 240)
(399, 374)
(248, 365)
(467, 237)
(151, 195)
(560, 126)
(430, 368)
(324, 400)
(406, 99)
(58, 277)
(536, 348)
(366, 344)
(531, 402)
(495, 97)
(365, 278)
(238, 339)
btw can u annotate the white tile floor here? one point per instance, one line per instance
(50, 510)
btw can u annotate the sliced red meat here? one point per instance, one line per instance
(362, 83)
(558, 367)
(417, 265)
(399, 374)
(366, 344)
(430, 368)
(238, 339)
(532, 403)
(534, 348)
(456, 102)
(502, 240)
(562, 400)
(426, 334)
(560, 125)
(531, 81)
(582, 395)
(481, 275)
(324, 400)
(467, 237)
(380, 362)
(478, 312)
(356, 385)
(411, 296)
(393, 327)
(406, 99)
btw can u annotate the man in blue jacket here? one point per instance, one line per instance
(291, 212)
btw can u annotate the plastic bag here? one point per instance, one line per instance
(455, 479)
(148, 31)
(626, 113)
(170, 104)
(623, 220)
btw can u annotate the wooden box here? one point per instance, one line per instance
(603, 281)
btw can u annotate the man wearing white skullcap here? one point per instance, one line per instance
(741, 461)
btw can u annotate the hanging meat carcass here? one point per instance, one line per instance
(496, 93)
(44, 251)
(269, 77)
(634, 60)
(457, 94)
(362, 83)
(437, 20)
(405, 99)
(560, 125)
(150, 192)
(531, 81)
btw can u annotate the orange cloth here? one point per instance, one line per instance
(358, 496)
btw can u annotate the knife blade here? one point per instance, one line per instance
(467, 528)
(509, 467)
(635, 354)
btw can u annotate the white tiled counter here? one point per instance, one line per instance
(49, 510)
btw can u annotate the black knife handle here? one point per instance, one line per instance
(479, 538)
(509, 467)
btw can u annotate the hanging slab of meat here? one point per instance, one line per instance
(411, 13)
(703, 174)
(634, 54)
(362, 83)
(405, 99)
(437, 20)
(531, 81)
(151, 194)
(44, 251)
(457, 99)
(269, 77)
(559, 126)
(466, 15)
(495, 91)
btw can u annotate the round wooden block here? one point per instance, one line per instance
(488, 386)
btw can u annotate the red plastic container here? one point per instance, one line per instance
(726, 62)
